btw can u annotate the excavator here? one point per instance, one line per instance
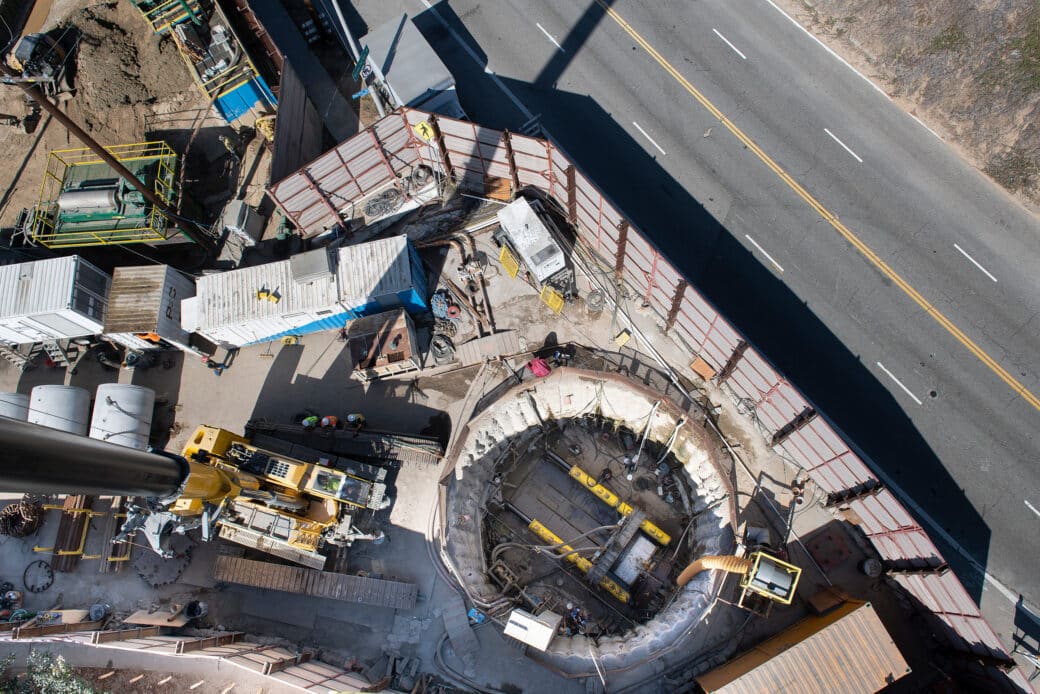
(220, 484)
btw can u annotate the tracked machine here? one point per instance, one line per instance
(220, 485)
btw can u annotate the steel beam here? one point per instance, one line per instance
(731, 363)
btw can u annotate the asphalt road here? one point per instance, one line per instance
(938, 422)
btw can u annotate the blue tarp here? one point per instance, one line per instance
(237, 102)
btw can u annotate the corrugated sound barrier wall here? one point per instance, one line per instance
(327, 192)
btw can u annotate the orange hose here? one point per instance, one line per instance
(730, 563)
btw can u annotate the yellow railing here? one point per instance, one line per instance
(166, 15)
(60, 163)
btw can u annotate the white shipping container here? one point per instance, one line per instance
(51, 299)
(260, 303)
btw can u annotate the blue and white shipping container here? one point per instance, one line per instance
(315, 291)
(381, 275)
(261, 303)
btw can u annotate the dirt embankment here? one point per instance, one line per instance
(968, 68)
(123, 70)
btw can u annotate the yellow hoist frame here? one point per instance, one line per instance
(584, 565)
(613, 501)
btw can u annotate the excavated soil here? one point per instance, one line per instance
(128, 81)
(968, 68)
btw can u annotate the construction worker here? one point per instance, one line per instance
(329, 422)
(357, 420)
(310, 422)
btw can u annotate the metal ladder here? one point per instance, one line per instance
(57, 354)
(15, 356)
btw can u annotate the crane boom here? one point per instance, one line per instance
(34, 458)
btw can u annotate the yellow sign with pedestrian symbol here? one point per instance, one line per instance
(424, 130)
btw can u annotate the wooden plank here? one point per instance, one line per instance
(189, 645)
(161, 619)
(10, 626)
(124, 634)
(282, 663)
(70, 531)
(112, 555)
(48, 629)
(324, 584)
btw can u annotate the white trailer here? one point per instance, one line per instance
(53, 299)
(527, 229)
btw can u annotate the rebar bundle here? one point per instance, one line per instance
(21, 519)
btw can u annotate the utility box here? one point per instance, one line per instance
(243, 222)
(535, 631)
(53, 299)
(144, 308)
(382, 345)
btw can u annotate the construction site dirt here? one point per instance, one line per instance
(128, 85)
(123, 82)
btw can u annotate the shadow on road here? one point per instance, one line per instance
(769, 315)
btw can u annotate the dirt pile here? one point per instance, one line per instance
(970, 68)
(122, 68)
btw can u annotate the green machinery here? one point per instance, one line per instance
(84, 202)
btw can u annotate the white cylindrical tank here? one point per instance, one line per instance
(123, 415)
(66, 408)
(14, 405)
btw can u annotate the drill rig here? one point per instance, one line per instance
(220, 484)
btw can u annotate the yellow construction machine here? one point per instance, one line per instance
(220, 482)
(275, 503)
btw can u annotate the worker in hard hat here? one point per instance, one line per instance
(329, 422)
(357, 420)
(310, 422)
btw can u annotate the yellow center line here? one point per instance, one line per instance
(827, 215)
